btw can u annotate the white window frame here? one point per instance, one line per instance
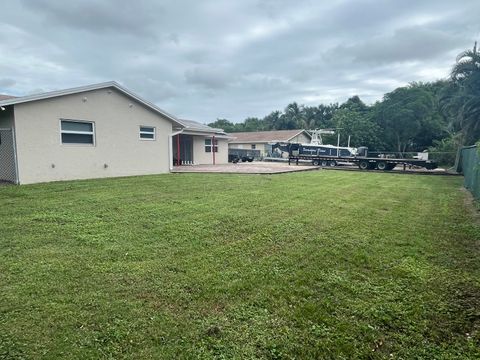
(140, 132)
(213, 147)
(92, 133)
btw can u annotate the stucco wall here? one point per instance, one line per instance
(200, 157)
(42, 157)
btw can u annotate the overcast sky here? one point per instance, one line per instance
(205, 59)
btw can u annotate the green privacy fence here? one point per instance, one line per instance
(469, 164)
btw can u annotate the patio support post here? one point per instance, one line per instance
(179, 162)
(213, 149)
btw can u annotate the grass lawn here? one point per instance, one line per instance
(323, 264)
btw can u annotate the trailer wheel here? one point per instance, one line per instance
(324, 163)
(381, 165)
(315, 162)
(332, 163)
(364, 165)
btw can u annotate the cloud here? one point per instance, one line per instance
(7, 83)
(234, 59)
(95, 16)
(209, 77)
(406, 44)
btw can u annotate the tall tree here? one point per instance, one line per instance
(223, 124)
(292, 117)
(360, 126)
(253, 124)
(272, 120)
(461, 99)
(402, 113)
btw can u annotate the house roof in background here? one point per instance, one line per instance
(6, 97)
(266, 136)
(194, 125)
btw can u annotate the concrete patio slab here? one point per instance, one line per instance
(244, 168)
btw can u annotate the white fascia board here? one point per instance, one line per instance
(204, 134)
(249, 142)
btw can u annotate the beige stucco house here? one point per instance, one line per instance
(95, 131)
(262, 140)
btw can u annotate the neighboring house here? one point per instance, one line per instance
(262, 140)
(101, 130)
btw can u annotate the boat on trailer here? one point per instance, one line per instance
(316, 146)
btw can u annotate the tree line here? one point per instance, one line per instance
(440, 115)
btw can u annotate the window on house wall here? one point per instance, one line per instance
(77, 132)
(254, 146)
(147, 133)
(208, 145)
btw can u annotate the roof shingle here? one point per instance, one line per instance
(265, 136)
(6, 97)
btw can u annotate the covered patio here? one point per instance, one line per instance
(245, 168)
(198, 144)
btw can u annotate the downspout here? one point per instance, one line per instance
(15, 156)
(170, 147)
(179, 157)
(15, 151)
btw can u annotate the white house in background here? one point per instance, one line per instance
(101, 130)
(261, 140)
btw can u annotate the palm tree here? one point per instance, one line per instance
(467, 64)
(461, 99)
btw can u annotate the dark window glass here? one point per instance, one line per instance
(77, 139)
(147, 129)
(147, 136)
(77, 126)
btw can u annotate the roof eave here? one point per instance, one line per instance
(104, 85)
